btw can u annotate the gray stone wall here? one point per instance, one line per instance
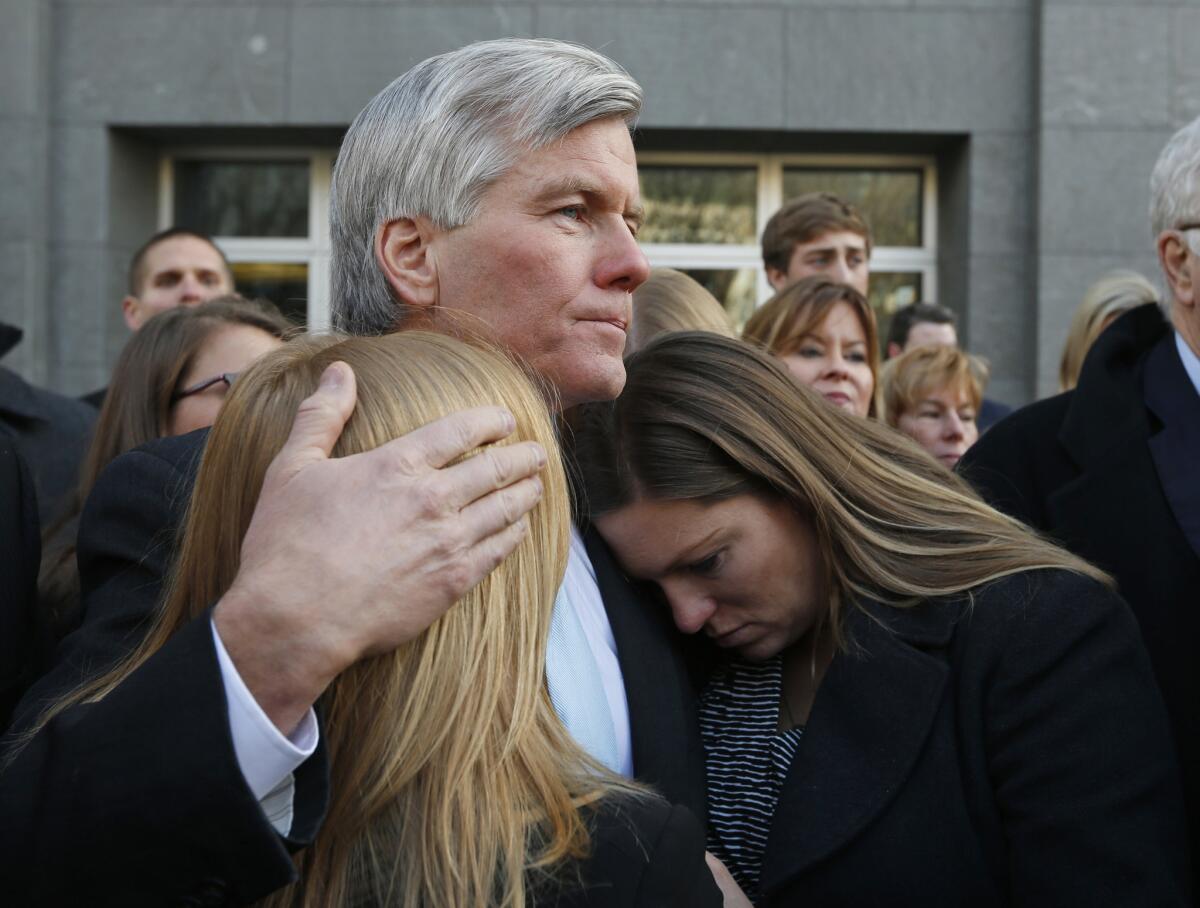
(1047, 117)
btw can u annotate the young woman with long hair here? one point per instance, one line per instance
(453, 783)
(907, 698)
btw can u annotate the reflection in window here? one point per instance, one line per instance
(242, 198)
(283, 283)
(699, 204)
(890, 291)
(734, 289)
(890, 200)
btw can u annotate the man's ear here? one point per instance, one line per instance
(776, 278)
(1177, 265)
(131, 308)
(893, 349)
(404, 255)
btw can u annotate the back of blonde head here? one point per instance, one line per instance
(1115, 293)
(453, 782)
(670, 300)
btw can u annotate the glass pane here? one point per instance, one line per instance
(890, 291)
(283, 283)
(699, 204)
(733, 289)
(242, 198)
(890, 200)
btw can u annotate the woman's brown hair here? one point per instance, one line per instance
(137, 409)
(911, 375)
(706, 418)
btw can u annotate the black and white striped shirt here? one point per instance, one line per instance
(747, 759)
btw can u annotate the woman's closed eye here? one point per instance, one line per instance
(709, 565)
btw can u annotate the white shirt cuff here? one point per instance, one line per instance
(266, 757)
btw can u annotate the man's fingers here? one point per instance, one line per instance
(441, 441)
(506, 507)
(319, 421)
(488, 471)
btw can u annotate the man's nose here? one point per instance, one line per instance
(623, 264)
(190, 289)
(841, 272)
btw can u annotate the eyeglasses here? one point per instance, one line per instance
(226, 377)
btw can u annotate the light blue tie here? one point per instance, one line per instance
(576, 689)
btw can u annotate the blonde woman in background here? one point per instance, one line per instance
(1116, 292)
(825, 334)
(670, 300)
(453, 782)
(932, 395)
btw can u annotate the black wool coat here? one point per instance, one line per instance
(1112, 471)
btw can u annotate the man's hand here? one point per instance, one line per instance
(353, 556)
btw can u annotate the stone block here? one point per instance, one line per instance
(341, 57)
(908, 70)
(135, 64)
(79, 178)
(998, 319)
(80, 290)
(709, 67)
(1001, 193)
(1184, 72)
(22, 174)
(1105, 66)
(20, 57)
(1095, 190)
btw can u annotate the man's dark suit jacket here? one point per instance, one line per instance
(148, 776)
(1012, 750)
(1111, 471)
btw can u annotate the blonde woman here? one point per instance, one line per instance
(906, 698)
(1115, 293)
(933, 395)
(669, 301)
(825, 334)
(453, 784)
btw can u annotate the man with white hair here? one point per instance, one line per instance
(1110, 469)
(493, 189)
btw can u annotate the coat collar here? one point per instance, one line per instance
(869, 725)
(1106, 407)
(663, 727)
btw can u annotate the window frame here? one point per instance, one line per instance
(312, 250)
(720, 256)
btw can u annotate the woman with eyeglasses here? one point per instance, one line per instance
(906, 698)
(171, 378)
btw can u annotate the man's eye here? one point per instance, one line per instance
(167, 280)
(574, 212)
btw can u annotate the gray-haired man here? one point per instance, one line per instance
(514, 211)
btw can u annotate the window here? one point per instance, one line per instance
(706, 213)
(269, 213)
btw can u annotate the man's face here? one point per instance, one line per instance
(179, 271)
(929, 334)
(841, 257)
(549, 262)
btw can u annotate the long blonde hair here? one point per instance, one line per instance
(706, 418)
(670, 300)
(453, 782)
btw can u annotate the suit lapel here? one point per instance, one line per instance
(663, 728)
(869, 724)
(1176, 448)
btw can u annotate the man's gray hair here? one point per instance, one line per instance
(1175, 189)
(432, 142)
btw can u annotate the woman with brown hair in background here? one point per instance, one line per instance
(825, 334)
(171, 378)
